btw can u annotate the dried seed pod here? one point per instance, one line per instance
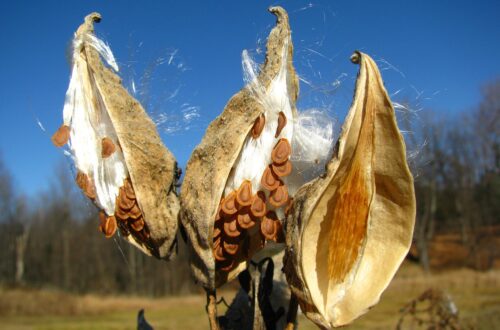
(112, 139)
(258, 126)
(281, 123)
(237, 147)
(351, 228)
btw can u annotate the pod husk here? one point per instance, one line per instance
(375, 217)
(212, 160)
(152, 167)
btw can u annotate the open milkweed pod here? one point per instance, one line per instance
(122, 165)
(229, 177)
(350, 229)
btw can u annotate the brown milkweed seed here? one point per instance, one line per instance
(217, 232)
(231, 228)
(108, 226)
(244, 194)
(230, 247)
(269, 179)
(81, 180)
(218, 251)
(121, 214)
(281, 123)
(258, 207)
(258, 126)
(245, 219)
(279, 197)
(123, 201)
(281, 151)
(129, 190)
(89, 190)
(107, 147)
(268, 227)
(61, 136)
(135, 212)
(228, 205)
(283, 169)
(137, 225)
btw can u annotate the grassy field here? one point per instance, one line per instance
(477, 296)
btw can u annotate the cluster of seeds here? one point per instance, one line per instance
(127, 210)
(241, 212)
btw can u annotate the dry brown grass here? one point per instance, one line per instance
(477, 296)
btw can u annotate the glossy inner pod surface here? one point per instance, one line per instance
(235, 191)
(349, 231)
(122, 165)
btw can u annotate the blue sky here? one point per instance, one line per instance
(437, 53)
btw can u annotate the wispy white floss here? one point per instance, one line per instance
(256, 153)
(86, 114)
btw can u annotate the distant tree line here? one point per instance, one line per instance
(52, 241)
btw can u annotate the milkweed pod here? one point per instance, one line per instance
(350, 229)
(228, 164)
(121, 162)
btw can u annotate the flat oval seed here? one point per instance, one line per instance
(245, 219)
(228, 205)
(120, 213)
(107, 147)
(137, 225)
(244, 194)
(283, 169)
(61, 136)
(89, 190)
(129, 190)
(258, 207)
(110, 227)
(102, 221)
(217, 232)
(268, 228)
(231, 228)
(258, 126)
(123, 201)
(281, 123)
(81, 180)
(269, 180)
(218, 251)
(281, 151)
(135, 212)
(230, 248)
(279, 197)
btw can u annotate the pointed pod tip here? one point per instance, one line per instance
(356, 57)
(279, 12)
(94, 17)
